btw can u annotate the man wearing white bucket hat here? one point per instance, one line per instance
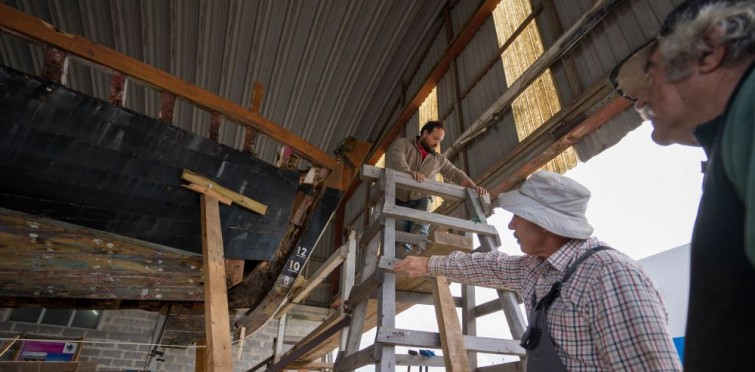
(590, 307)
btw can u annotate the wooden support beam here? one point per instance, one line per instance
(358, 359)
(364, 290)
(451, 340)
(236, 198)
(215, 120)
(217, 322)
(447, 191)
(431, 340)
(167, 107)
(440, 220)
(200, 356)
(309, 345)
(593, 122)
(35, 29)
(118, 89)
(55, 66)
(256, 103)
(318, 277)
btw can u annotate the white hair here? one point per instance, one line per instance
(694, 36)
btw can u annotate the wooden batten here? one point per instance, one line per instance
(215, 120)
(217, 324)
(55, 66)
(204, 183)
(118, 89)
(451, 340)
(167, 107)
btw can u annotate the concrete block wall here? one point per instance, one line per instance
(122, 341)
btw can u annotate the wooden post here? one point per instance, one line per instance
(217, 322)
(167, 107)
(200, 356)
(215, 126)
(56, 66)
(118, 87)
(451, 340)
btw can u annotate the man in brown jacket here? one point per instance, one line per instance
(417, 157)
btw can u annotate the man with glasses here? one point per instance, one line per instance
(695, 83)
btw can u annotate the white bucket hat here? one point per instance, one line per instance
(552, 201)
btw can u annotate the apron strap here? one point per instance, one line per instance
(531, 337)
(555, 291)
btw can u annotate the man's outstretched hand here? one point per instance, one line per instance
(413, 266)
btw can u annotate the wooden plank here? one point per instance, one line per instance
(359, 313)
(209, 192)
(348, 276)
(320, 329)
(237, 198)
(61, 260)
(468, 318)
(278, 348)
(431, 340)
(200, 356)
(217, 322)
(406, 182)
(234, 272)
(504, 367)
(386, 316)
(439, 220)
(364, 291)
(322, 273)
(27, 26)
(358, 359)
(451, 341)
(297, 352)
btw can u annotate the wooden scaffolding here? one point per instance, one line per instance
(378, 294)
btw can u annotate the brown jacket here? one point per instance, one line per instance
(404, 156)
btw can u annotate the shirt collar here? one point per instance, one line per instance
(564, 256)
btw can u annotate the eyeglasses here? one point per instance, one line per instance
(631, 77)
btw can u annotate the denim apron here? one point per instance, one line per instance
(541, 352)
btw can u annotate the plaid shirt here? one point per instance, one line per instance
(609, 315)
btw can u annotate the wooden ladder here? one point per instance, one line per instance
(459, 344)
